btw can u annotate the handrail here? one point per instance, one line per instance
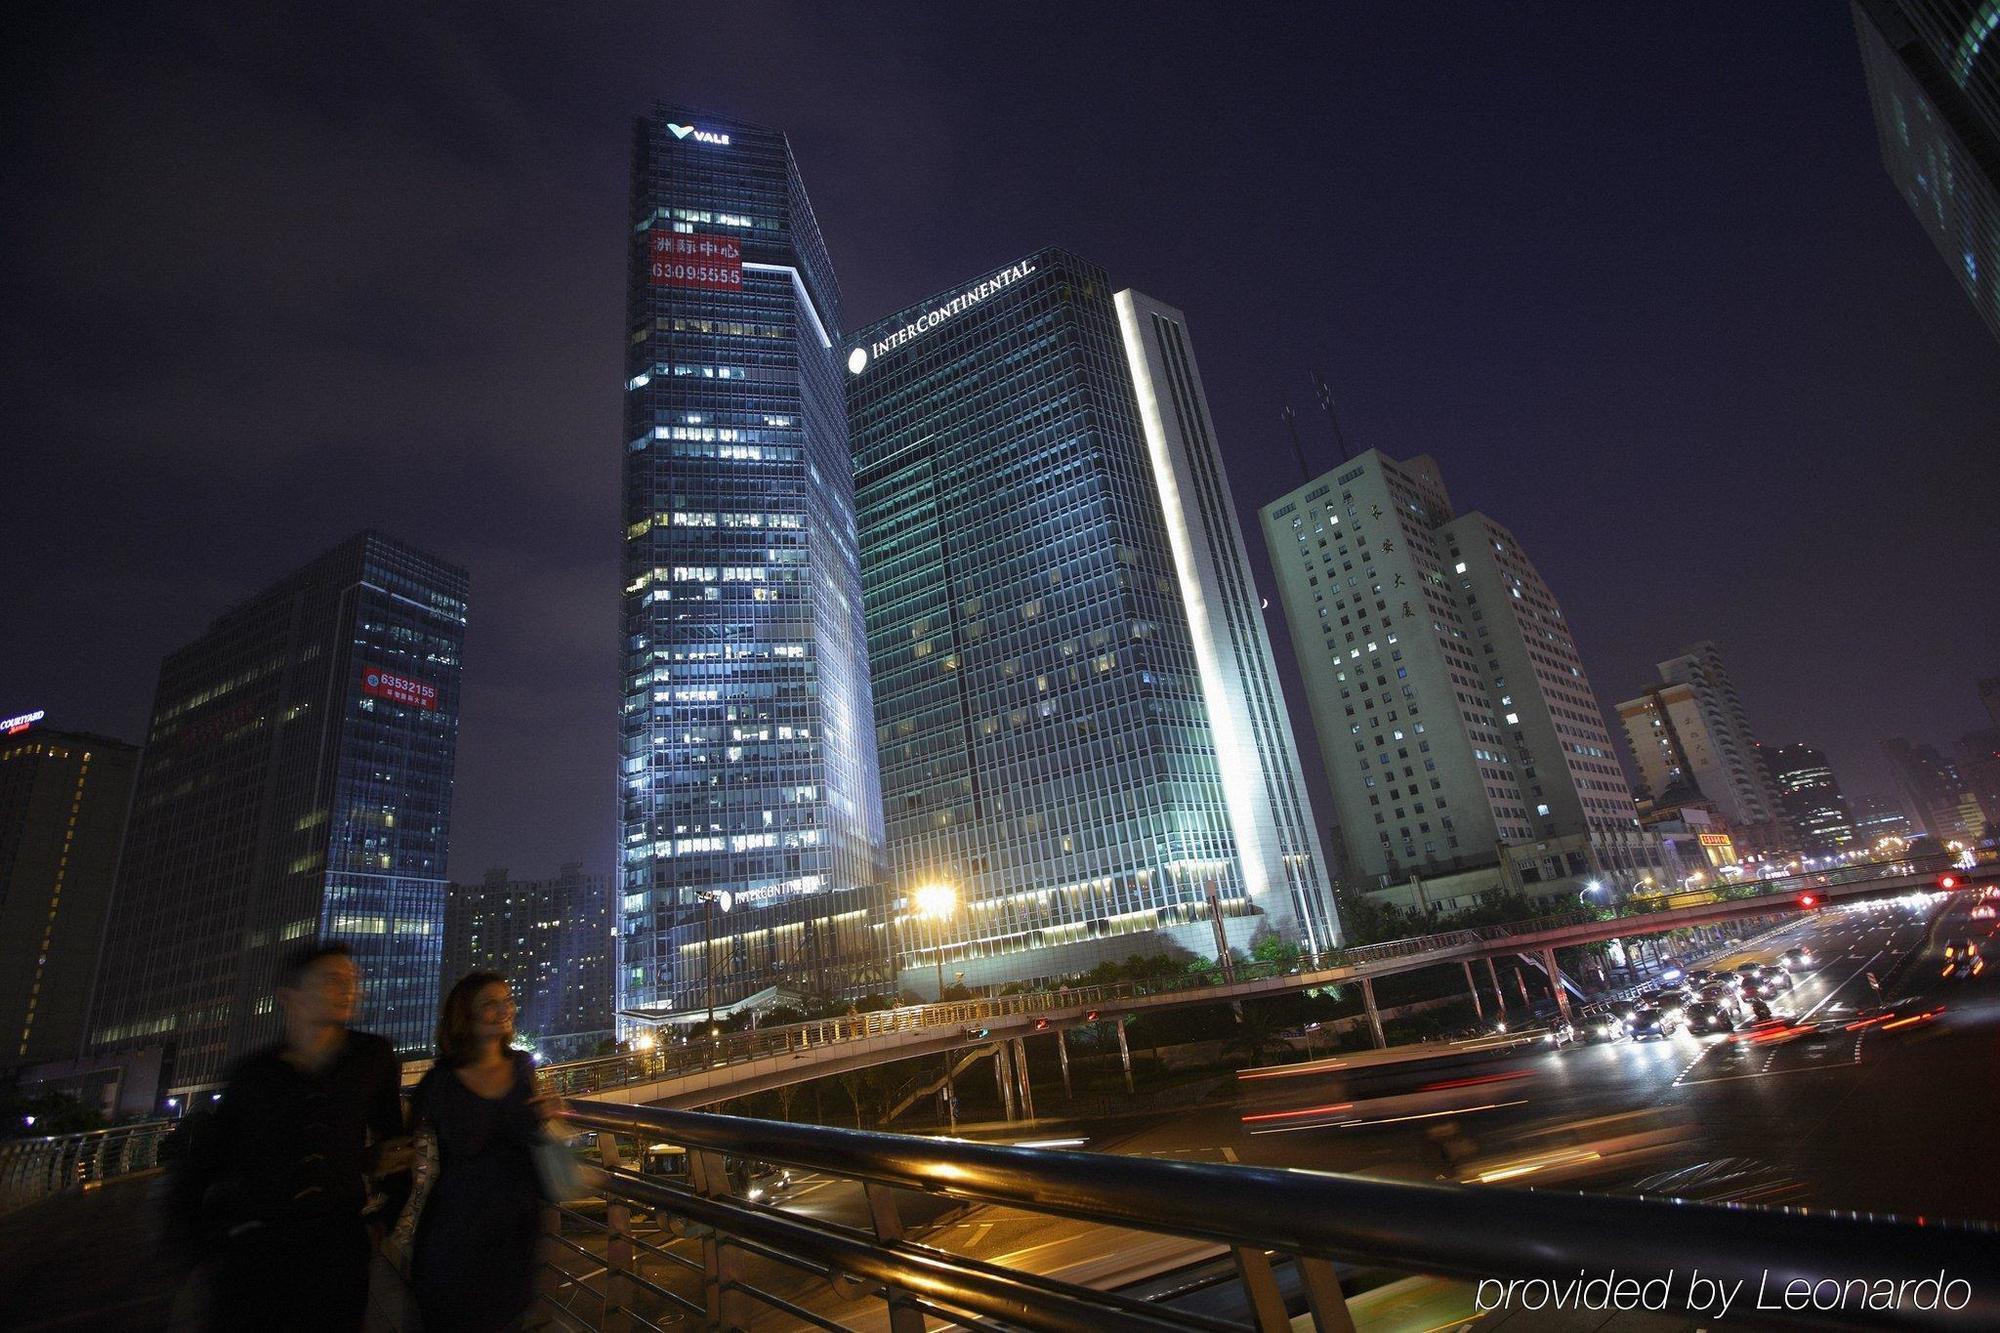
(35, 1168)
(1449, 1231)
(603, 1072)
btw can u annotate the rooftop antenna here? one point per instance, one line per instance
(1326, 403)
(1298, 449)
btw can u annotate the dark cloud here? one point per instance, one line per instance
(1633, 275)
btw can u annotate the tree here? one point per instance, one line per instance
(1270, 947)
(1256, 1035)
(46, 1113)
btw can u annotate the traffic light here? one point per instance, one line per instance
(1090, 1016)
(1948, 882)
(1808, 900)
(1041, 1025)
(979, 1034)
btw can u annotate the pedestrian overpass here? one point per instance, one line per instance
(695, 1073)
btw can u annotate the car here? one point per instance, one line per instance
(1668, 999)
(1602, 1025)
(1650, 1022)
(1715, 991)
(1797, 958)
(1765, 985)
(1750, 970)
(1703, 976)
(1984, 912)
(1621, 1010)
(1707, 1016)
(1962, 958)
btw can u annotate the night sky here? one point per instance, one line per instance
(1632, 273)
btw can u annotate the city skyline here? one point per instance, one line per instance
(1624, 548)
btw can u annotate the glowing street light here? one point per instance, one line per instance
(936, 903)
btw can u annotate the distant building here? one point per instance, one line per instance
(1878, 817)
(551, 939)
(1979, 765)
(1812, 799)
(1463, 741)
(1989, 694)
(1080, 726)
(63, 797)
(296, 785)
(1746, 798)
(1933, 69)
(1934, 792)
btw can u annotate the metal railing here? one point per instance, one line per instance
(35, 1168)
(716, 1256)
(678, 1058)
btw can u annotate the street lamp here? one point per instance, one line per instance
(936, 903)
(709, 900)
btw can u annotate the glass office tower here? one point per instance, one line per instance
(748, 770)
(1048, 749)
(1933, 69)
(296, 785)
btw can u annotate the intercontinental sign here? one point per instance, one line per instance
(857, 360)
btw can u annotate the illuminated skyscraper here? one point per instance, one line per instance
(747, 771)
(1811, 798)
(1081, 733)
(296, 785)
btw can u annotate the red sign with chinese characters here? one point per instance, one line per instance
(689, 259)
(398, 689)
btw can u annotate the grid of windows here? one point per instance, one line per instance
(1933, 69)
(296, 784)
(1452, 707)
(1044, 740)
(747, 764)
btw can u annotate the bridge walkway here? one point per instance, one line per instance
(97, 1261)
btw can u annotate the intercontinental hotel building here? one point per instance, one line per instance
(1081, 734)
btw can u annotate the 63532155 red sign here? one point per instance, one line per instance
(399, 689)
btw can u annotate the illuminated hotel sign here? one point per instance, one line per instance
(857, 360)
(14, 726)
(399, 689)
(1714, 839)
(699, 136)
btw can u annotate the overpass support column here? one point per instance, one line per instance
(1124, 1052)
(1021, 1073)
(1499, 996)
(1556, 982)
(1062, 1053)
(1478, 1010)
(1521, 981)
(1003, 1077)
(1374, 1015)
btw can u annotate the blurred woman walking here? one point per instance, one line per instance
(473, 1264)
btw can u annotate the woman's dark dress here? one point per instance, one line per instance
(474, 1260)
